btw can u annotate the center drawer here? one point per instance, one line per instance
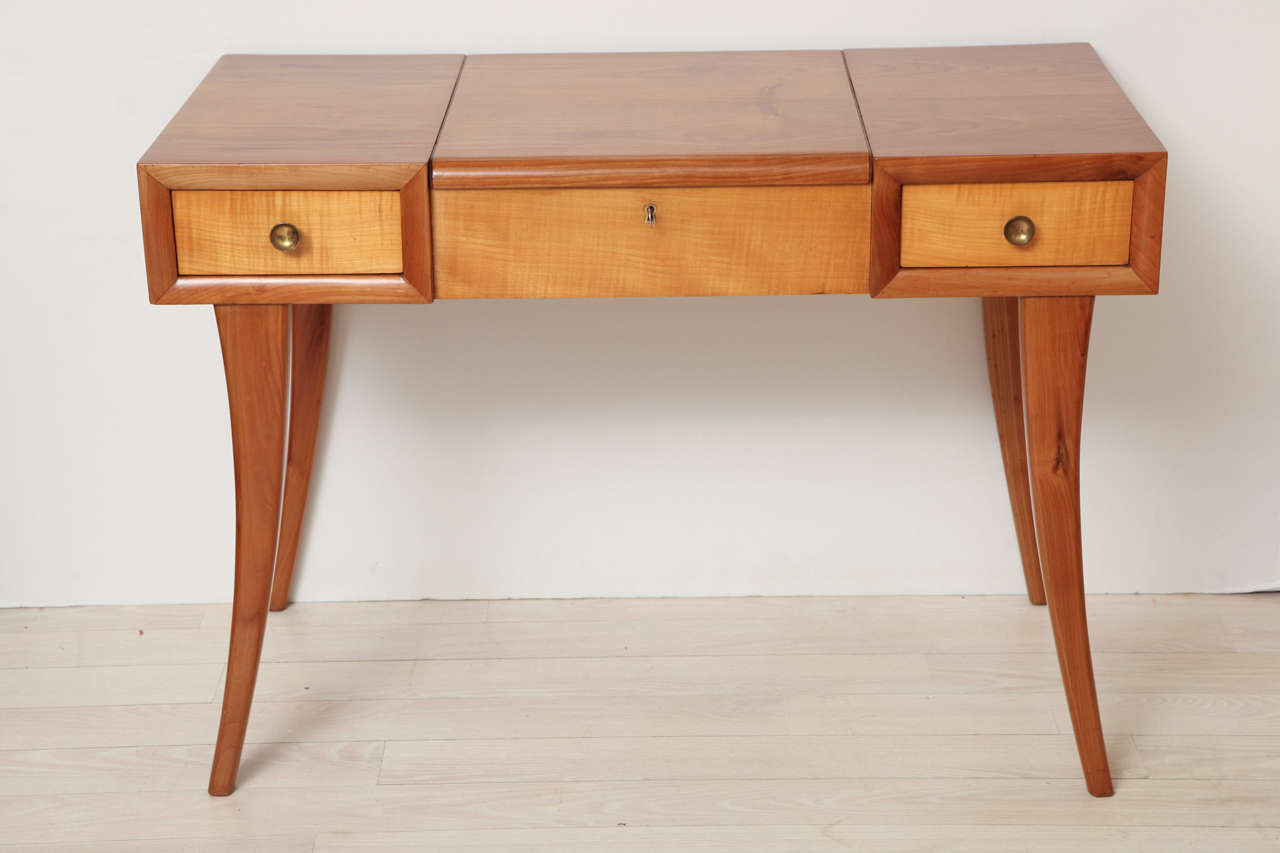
(688, 241)
(234, 232)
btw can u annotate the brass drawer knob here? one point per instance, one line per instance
(1019, 230)
(286, 237)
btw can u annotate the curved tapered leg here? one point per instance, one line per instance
(255, 356)
(310, 357)
(1055, 347)
(1000, 323)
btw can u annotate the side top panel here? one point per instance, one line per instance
(994, 101)
(652, 119)
(370, 121)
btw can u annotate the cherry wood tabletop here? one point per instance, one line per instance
(1029, 100)
(269, 118)
(652, 119)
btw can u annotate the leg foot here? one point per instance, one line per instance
(310, 358)
(1055, 345)
(1000, 323)
(255, 355)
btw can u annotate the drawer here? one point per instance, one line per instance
(228, 232)
(686, 241)
(1076, 223)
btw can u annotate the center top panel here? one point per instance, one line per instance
(760, 118)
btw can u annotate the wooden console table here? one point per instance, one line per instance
(1021, 175)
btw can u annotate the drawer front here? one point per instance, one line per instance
(700, 242)
(1077, 223)
(227, 232)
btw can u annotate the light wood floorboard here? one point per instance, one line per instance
(429, 630)
(759, 724)
(160, 768)
(806, 839)
(762, 757)
(806, 802)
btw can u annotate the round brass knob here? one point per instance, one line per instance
(1019, 230)
(285, 237)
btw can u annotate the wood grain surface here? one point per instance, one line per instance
(651, 119)
(301, 111)
(267, 122)
(254, 176)
(290, 290)
(228, 233)
(415, 233)
(939, 115)
(255, 355)
(1190, 698)
(1000, 321)
(1011, 281)
(1018, 101)
(1055, 350)
(308, 363)
(703, 242)
(1078, 223)
(1010, 113)
(1148, 224)
(160, 251)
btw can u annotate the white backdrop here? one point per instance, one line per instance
(673, 447)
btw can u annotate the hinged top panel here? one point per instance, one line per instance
(338, 122)
(1033, 100)
(652, 119)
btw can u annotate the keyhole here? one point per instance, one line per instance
(650, 214)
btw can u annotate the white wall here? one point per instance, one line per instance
(675, 447)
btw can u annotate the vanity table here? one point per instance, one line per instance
(1021, 175)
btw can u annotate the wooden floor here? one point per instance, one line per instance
(789, 724)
